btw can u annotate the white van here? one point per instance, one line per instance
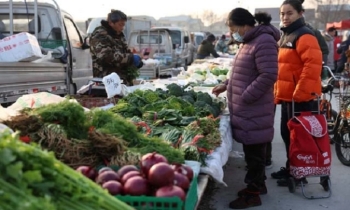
(171, 43)
(180, 39)
(53, 28)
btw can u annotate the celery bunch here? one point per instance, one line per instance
(35, 179)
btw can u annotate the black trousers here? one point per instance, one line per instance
(286, 115)
(255, 157)
(269, 148)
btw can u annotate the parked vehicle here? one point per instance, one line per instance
(169, 45)
(132, 24)
(198, 38)
(53, 28)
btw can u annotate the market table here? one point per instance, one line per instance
(202, 185)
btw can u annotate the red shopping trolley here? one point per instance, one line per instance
(309, 151)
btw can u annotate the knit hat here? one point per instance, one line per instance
(211, 38)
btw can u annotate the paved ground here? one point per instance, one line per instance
(279, 198)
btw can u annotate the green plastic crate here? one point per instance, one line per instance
(52, 44)
(154, 203)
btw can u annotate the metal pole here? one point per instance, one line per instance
(61, 20)
(36, 25)
(11, 17)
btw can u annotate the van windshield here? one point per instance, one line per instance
(199, 39)
(149, 39)
(175, 37)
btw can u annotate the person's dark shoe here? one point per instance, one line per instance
(282, 173)
(268, 164)
(246, 201)
(262, 191)
(284, 182)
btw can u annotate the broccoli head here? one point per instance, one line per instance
(205, 97)
(203, 109)
(191, 93)
(161, 93)
(188, 98)
(175, 90)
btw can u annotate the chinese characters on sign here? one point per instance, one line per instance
(112, 84)
(110, 81)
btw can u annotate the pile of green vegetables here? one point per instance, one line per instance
(34, 179)
(175, 106)
(187, 120)
(196, 140)
(89, 138)
(215, 71)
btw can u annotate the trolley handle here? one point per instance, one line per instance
(318, 105)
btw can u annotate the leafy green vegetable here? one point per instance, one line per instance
(126, 110)
(68, 114)
(33, 179)
(150, 96)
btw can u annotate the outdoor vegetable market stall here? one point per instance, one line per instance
(178, 122)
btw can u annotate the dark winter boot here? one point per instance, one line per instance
(249, 199)
(262, 191)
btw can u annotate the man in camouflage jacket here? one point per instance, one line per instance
(109, 50)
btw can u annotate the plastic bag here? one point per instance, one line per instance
(4, 128)
(196, 78)
(142, 86)
(210, 78)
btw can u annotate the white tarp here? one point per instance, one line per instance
(219, 157)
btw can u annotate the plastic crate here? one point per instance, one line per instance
(155, 203)
(52, 44)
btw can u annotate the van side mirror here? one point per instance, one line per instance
(186, 39)
(174, 46)
(85, 43)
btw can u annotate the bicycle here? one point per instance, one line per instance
(341, 129)
(325, 104)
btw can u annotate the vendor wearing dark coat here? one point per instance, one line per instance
(109, 50)
(207, 47)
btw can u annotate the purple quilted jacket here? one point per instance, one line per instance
(250, 87)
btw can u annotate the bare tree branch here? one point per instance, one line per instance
(332, 10)
(209, 17)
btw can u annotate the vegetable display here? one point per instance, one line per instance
(184, 118)
(34, 179)
(156, 177)
(104, 136)
(173, 105)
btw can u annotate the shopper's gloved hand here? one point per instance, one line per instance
(137, 60)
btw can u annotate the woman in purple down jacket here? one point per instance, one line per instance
(250, 97)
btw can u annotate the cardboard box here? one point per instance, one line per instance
(19, 47)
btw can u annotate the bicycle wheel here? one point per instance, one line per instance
(335, 132)
(331, 122)
(342, 146)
